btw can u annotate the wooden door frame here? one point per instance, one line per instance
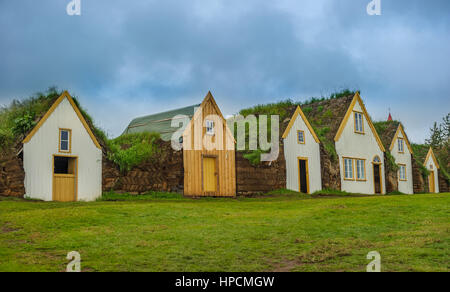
(53, 175)
(216, 157)
(381, 177)
(434, 181)
(307, 173)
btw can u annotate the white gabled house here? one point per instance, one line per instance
(401, 150)
(302, 155)
(62, 158)
(432, 165)
(360, 152)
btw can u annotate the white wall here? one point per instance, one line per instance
(360, 146)
(405, 187)
(38, 156)
(310, 150)
(428, 164)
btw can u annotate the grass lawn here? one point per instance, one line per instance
(165, 232)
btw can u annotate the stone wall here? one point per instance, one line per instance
(443, 184)
(330, 171)
(419, 184)
(12, 176)
(266, 177)
(391, 177)
(163, 172)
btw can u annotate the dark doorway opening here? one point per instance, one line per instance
(377, 178)
(64, 165)
(303, 173)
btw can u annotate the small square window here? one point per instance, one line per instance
(210, 127)
(402, 172)
(401, 146)
(348, 168)
(360, 169)
(359, 123)
(301, 137)
(64, 140)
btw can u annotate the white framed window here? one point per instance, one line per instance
(65, 143)
(301, 137)
(210, 127)
(360, 169)
(402, 172)
(348, 168)
(401, 146)
(359, 122)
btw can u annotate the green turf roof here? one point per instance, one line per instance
(160, 122)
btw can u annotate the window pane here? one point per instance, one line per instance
(65, 135)
(65, 145)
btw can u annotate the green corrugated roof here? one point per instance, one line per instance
(160, 122)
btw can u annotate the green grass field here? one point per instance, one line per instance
(164, 232)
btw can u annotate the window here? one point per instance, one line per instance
(301, 137)
(359, 123)
(65, 140)
(210, 127)
(360, 169)
(401, 145)
(377, 160)
(402, 172)
(348, 169)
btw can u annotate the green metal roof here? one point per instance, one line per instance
(160, 123)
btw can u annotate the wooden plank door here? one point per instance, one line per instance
(209, 175)
(64, 187)
(432, 182)
(377, 178)
(65, 171)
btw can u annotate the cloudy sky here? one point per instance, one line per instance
(130, 58)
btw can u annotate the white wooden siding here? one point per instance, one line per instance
(39, 151)
(362, 146)
(405, 187)
(310, 150)
(428, 164)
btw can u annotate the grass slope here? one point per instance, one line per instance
(164, 232)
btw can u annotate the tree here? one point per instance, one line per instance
(446, 128)
(436, 137)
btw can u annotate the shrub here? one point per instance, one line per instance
(130, 150)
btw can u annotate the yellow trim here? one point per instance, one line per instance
(52, 109)
(353, 168)
(403, 145)
(364, 164)
(357, 98)
(405, 138)
(70, 141)
(406, 177)
(208, 97)
(304, 139)
(381, 178)
(75, 176)
(362, 120)
(431, 153)
(307, 174)
(299, 111)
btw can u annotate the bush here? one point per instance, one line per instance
(130, 150)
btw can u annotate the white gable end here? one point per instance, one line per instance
(405, 159)
(40, 149)
(359, 146)
(310, 150)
